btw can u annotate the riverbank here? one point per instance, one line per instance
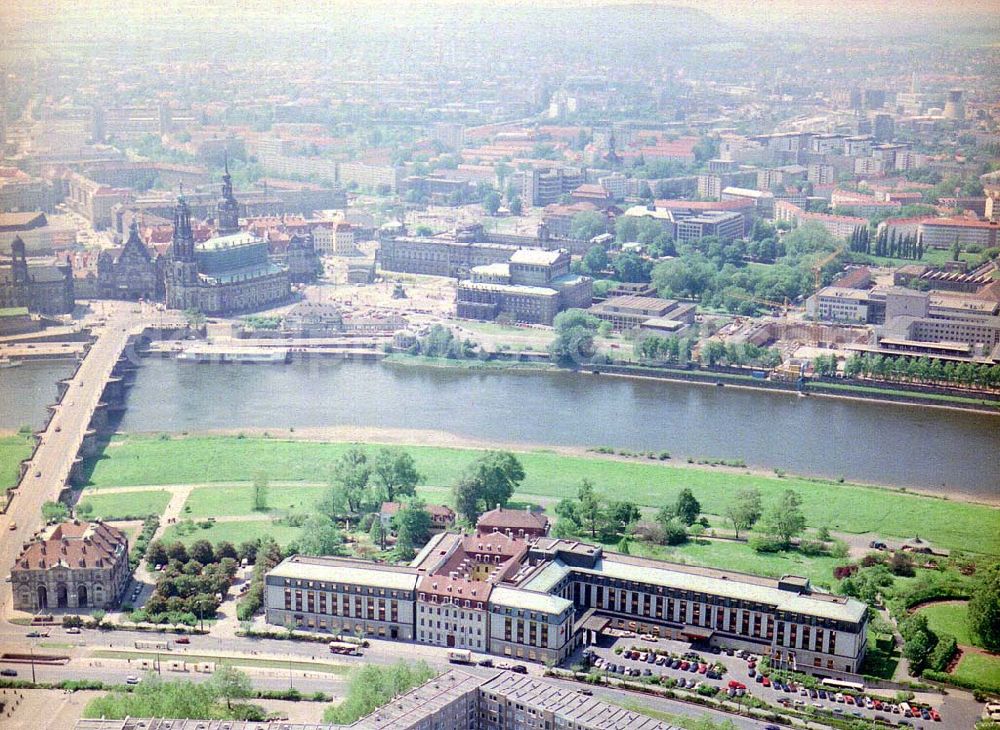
(819, 388)
(304, 456)
(713, 377)
(466, 364)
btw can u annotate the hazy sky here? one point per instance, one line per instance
(791, 15)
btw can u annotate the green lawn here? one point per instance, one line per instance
(13, 450)
(949, 618)
(234, 532)
(164, 657)
(238, 500)
(128, 505)
(983, 668)
(741, 558)
(499, 330)
(850, 508)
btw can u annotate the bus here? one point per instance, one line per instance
(840, 684)
(341, 647)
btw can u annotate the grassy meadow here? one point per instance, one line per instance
(150, 460)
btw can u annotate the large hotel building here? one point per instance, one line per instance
(539, 598)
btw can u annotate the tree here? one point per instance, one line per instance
(55, 512)
(574, 341)
(984, 607)
(687, 508)
(320, 536)
(412, 525)
(377, 533)
(745, 510)
(919, 641)
(516, 206)
(395, 474)
(587, 225)
(467, 502)
(156, 553)
(589, 508)
(673, 531)
(595, 260)
(352, 472)
(621, 515)
(231, 684)
(491, 203)
(260, 491)
(201, 550)
(785, 519)
(177, 551)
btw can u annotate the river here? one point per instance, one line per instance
(930, 448)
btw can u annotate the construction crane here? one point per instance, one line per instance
(817, 268)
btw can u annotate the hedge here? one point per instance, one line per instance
(972, 684)
(942, 653)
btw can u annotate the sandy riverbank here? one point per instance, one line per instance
(445, 439)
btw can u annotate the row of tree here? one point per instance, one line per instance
(886, 243)
(918, 370)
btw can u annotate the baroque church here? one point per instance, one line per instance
(229, 273)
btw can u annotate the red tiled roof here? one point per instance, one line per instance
(512, 518)
(73, 545)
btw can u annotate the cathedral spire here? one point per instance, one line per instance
(183, 242)
(228, 209)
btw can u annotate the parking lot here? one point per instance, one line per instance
(736, 676)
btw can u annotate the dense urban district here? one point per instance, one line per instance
(646, 193)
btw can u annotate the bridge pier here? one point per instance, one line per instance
(62, 388)
(76, 477)
(90, 445)
(99, 421)
(114, 392)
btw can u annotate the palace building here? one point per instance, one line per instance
(539, 598)
(230, 272)
(43, 287)
(81, 565)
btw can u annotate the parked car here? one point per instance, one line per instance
(132, 679)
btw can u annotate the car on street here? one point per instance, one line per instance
(132, 679)
(73, 630)
(8, 672)
(182, 640)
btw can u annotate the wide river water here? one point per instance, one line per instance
(931, 448)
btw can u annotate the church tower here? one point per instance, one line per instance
(182, 248)
(18, 261)
(182, 270)
(228, 210)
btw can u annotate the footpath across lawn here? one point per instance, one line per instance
(950, 524)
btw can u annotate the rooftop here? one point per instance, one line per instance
(73, 545)
(568, 703)
(529, 600)
(346, 570)
(535, 257)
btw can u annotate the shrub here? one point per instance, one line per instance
(764, 543)
(942, 653)
(966, 682)
(812, 547)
